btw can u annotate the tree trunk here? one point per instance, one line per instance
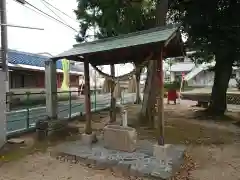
(138, 74)
(149, 95)
(223, 71)
(161, 12)
(149, 98)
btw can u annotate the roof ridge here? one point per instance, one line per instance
(169, 26)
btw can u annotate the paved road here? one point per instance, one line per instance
(17, 120)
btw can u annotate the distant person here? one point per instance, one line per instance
(81, 89)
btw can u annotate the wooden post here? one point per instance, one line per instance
(138, 74)
(88, 128)
(160, 101)
(113, 99)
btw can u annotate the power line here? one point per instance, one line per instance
(50, 16)
(59, 10)
(31, 8)
(52, 11)
(39, 11)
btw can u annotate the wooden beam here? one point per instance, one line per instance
(113, 99)
(160, 100)
(88, 127)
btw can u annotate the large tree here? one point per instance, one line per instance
(114, 17)
(213, 29)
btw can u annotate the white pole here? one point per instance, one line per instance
(124, 118)
(4, 43)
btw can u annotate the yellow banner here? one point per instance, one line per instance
(66, 76)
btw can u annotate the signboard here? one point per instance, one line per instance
(2, 110)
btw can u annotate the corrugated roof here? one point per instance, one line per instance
(159, 34)
(25, 58)
(19, 57)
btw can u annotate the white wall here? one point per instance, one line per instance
(205, 79)
(172, 76)
(2, 110)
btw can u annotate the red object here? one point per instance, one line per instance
(172, 95)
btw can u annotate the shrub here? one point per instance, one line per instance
(172, 86)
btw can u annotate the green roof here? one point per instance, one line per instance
(159, 34)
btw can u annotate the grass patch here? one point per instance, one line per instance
(14, 152)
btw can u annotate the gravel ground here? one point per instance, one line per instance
(206, 160)
(216, 163)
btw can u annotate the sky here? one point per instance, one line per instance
(55, 38)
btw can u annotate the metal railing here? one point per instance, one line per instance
(25, 109)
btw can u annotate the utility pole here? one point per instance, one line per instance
(4, 43)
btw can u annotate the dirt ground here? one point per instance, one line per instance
(212, 153)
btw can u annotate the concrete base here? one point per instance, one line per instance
(140, 163)
(88, 139)
(120, 138)
(161, 152)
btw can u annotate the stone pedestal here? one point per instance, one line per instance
(161, 152)
(120, 138)
(88, 139)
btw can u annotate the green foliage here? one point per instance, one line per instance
(114, 17)
(172, 86)
(212, 27)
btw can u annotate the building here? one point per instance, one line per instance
(202, 76)
(27, 70)
(180, 68)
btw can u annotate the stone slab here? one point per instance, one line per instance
(120, 138)
(140, 163)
